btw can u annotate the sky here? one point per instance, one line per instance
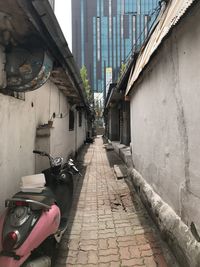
(63, 14)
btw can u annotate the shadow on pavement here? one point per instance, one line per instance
(145, 232)
(61, 253)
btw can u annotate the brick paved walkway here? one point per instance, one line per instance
(108, 224)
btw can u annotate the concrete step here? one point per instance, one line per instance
(108, 147)
(120, 171)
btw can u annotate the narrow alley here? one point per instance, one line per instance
(108, 224)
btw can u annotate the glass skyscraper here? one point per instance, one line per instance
(106, 32)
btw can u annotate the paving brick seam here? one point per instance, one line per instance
(108, 226)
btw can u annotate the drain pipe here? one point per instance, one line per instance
(76, 122)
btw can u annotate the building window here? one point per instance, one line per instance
(82, 34)
(71, 120)
(94, 53)
(110, 33)
(146, 29)
(80, 118)
(98, 40)
(134, 33)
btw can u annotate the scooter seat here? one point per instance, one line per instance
(46, 196)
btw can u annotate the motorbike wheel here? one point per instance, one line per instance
(47, 248)
(64, 197)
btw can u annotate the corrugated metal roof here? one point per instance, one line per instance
(172, 14)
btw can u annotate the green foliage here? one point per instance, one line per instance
(86, 84)
(122, 70)
(98, 107)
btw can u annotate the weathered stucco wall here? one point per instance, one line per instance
(81, 131)
(165, 115)
(113, 127)
(61, 141)
(19, 120)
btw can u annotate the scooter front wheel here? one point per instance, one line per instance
(44, 255)
(43, 261)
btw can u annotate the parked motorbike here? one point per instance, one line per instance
(36, 217)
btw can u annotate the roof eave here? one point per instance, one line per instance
(44, 19)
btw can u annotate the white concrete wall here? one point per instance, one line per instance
(81, 130)
(19, 120)
(165, 116)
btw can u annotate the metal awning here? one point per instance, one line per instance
(175, 9)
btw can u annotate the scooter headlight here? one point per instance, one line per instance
(10, 240)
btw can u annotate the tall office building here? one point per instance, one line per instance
(106, 32)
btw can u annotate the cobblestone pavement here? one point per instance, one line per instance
(108, 224)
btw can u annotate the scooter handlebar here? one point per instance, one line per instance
(54, 162)
(41, 153)
(37, 152)
(76, 170)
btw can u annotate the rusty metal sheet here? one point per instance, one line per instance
(175, 9)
